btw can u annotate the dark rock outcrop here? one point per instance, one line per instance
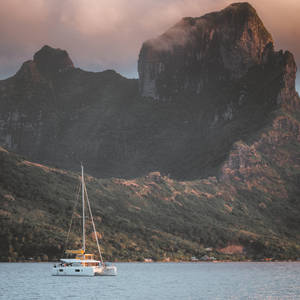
(50, 61)
(46, 64)
(201, 53)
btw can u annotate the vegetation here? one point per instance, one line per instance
(251, 208)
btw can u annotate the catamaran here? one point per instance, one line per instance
(84, 264)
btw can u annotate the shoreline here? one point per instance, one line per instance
(170, 262)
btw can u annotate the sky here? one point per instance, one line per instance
(108, 34)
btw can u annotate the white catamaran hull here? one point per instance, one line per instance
(107, 271)
(76, 271)
(85, 271)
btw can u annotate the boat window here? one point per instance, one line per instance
(77, 270)
(61, 270)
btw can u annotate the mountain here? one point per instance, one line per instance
(206, 143)
(204, 84)
(54, 112)
(224, 68)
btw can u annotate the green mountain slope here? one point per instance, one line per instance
(250, 210)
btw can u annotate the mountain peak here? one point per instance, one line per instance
(50, 61)
(241, 6)
(225, 44)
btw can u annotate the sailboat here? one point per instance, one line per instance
(84, 264)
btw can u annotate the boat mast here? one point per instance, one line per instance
(95, 232)
(83, 216)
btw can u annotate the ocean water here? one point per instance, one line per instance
(139, 281)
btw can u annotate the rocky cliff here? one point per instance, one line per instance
(201, 53)
(205, 84)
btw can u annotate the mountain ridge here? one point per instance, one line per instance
(49, 105)
(202, 151)
(44, 116)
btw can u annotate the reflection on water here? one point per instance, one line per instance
(156, 281)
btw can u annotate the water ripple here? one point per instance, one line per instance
(135, 281)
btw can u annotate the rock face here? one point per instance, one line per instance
(211, 81)
(50, 61)
(201, 53)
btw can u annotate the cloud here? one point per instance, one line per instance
(101, 34)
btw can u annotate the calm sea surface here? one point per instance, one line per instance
(140, 281)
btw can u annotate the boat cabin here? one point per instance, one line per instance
(81, 258)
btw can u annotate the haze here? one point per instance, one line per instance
(108, 34)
